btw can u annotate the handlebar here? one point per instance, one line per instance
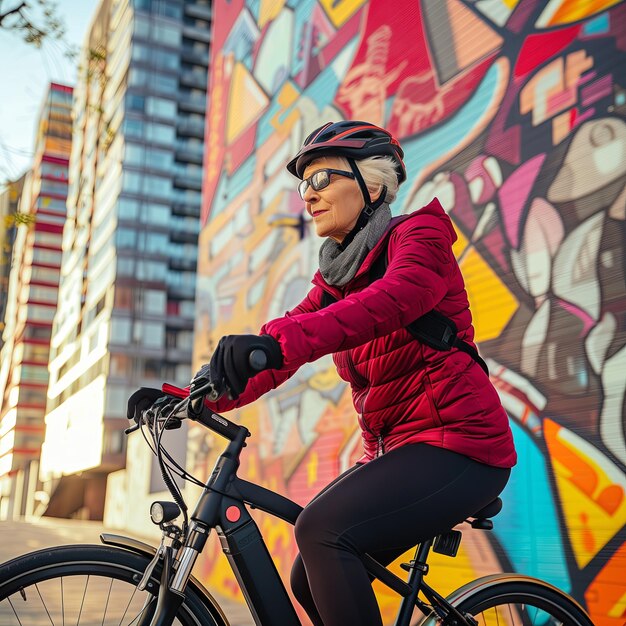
(258, 362)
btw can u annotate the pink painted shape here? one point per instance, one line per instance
(513, 196)
(583, 316)
(560, 101)
(585, 116)
(596, 90)
(585, 78)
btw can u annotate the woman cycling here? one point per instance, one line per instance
(437, 444)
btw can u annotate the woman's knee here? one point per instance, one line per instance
(307, 526)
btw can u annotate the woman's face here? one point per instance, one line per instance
(336, 208)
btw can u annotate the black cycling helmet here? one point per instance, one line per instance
(350, 139)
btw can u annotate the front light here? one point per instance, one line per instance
(163, 512)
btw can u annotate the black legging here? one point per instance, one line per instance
(382, 508)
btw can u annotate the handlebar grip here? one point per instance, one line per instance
(218, 423)
(257, 360)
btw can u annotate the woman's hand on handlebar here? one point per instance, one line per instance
(236, 359)
(147, 402)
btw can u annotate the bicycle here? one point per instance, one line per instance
(138, 585)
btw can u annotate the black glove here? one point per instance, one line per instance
(147, 397)
(230, 367)
(141, 400)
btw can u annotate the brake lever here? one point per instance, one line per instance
(131, 429)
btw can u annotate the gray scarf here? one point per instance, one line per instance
(337, 266)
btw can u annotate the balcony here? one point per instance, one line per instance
(186, 154)
(187, 182)
(181, 291)
(186, 210)
(192, 105)
(194, 56)
(182, 264)
(193, 32)
(201, 11)
(190, 128)
(194, 79)
(184, 236)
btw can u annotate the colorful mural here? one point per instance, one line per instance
(512, 113)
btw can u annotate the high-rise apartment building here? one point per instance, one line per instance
(126, 303)
(31, 301)
(9, 220)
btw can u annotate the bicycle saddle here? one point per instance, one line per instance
(481, 517)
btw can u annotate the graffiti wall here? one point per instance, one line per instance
(512, 113)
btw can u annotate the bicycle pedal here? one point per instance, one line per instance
(448, 543)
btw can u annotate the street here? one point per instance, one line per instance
(17, 538)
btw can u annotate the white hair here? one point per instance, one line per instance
(378, 171)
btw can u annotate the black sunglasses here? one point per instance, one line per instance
(320, 180)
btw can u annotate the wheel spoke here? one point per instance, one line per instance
(62, 603)
(146, 604)
(83, 601)
(106, 606)
(127, 606)
(15, 612)
(44, 604)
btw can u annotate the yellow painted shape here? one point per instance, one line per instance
(574, 10)
(340, 12)
(269, 10)
(619, 608)
(510, 4)
(286, 97)
(325, 380)
(491, 302)
(445, 574)
(246, 103)
(592, 491)
(311, 469)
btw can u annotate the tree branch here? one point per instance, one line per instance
(17, 9)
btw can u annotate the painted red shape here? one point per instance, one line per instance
(233, 513)
(538, 48)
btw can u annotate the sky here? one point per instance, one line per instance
(25, 73)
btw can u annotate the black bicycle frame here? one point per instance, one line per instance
(222, 506)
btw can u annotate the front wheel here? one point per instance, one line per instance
(88, 585)
(514, 600)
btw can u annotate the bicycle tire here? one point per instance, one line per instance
(100, 570)
(538, 603)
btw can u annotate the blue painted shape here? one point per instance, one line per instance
(528, 526)
(254, 8)
(598, 25)
(301, 17)
(430, 146)
(264, 127)
(228, 188)
(218, 203)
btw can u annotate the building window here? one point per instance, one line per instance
(165, 34)
(120, 330)
(135, 102)
(149, 334)
(154, 302)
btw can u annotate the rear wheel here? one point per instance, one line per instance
(88, 586)
(520, 601)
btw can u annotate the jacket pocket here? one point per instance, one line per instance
(434, 413)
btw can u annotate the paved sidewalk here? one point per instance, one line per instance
(17, 538)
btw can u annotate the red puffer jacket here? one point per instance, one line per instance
(404, 391)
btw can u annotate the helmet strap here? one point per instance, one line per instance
(368, 208)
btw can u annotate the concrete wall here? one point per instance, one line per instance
(514, 115)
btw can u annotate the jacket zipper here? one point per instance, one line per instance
(380, 447)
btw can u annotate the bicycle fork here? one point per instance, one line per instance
(175, 573)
